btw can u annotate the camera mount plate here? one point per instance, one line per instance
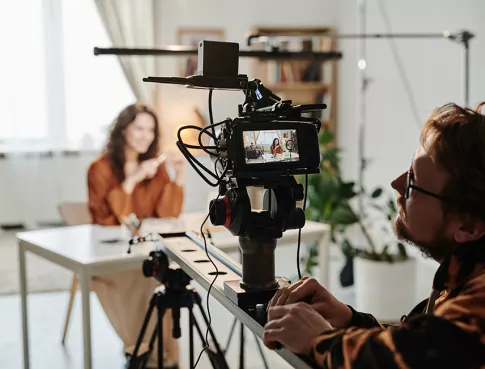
(187, 250)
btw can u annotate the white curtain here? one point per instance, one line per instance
(130, 24)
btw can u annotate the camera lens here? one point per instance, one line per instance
(218, 212)
(149, 269)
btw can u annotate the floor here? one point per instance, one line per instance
(46, 318)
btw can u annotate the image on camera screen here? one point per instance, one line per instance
(268, 146)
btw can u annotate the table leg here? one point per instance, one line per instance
(323, 258)
(85, 291)
(23, 298)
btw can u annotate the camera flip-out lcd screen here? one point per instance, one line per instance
(266, 146)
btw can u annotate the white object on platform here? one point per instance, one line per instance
(385, 290)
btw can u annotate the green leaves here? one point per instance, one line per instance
(326, 137)
(347, 190)
(343, 214)
(402, 250)
(376, 193)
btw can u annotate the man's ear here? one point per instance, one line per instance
(469, 230)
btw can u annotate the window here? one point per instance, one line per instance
(23, 103)
(96, 88)
(53, 89)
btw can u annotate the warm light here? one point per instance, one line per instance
(362, 64)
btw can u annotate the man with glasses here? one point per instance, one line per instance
(442, 212)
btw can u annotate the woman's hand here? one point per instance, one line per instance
(179, 164)
(146, 170)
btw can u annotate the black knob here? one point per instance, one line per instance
(218, 212)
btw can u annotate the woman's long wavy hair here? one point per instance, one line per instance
(115, 147)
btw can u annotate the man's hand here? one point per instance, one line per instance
(295, 327)
(310, 291)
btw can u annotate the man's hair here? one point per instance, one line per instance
(455, 137)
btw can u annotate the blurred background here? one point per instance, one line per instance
(58, 101)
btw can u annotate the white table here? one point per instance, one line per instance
(83, 250)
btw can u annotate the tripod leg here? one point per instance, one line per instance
(153, 302)
(261, 351)
(191, 338)
(241, 348)
(161, 313)
(230, 334)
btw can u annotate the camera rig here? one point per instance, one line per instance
(243, 157)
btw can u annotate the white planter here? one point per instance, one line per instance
(385, 290)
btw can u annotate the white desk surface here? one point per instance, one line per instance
(78, 246)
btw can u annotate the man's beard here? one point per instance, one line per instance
(436, 249)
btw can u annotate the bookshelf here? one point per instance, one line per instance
(302, 81)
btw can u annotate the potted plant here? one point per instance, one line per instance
(379, 266)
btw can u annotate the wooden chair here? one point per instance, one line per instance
(73, 213)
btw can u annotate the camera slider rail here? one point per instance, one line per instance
(187, 250)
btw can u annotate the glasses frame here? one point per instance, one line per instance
(410, 185)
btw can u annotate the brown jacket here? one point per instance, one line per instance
(156, 198)
(445, 331)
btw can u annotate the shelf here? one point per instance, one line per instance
(298, 86)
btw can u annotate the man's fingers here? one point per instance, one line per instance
(275, 298)
(285, 292)
(273, 336)
(277, 312)
(307, 289)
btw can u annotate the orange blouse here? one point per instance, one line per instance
(108, 203)
(274, 151)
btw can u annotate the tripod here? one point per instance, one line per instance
(176, 295)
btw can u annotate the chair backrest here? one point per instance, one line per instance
(74, 213)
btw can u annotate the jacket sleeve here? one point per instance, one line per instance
(453, 337)
(107, 205)
(171, 197)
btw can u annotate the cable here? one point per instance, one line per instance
(210, 286)
(211, 118)
(299, 231)
(400, 65)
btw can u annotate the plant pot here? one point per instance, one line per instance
(385, 290)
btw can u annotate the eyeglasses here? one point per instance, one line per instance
(414, 187)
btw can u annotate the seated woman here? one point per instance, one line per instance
(276, 148)
(125, 179)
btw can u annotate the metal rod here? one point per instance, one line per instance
(467, 73)
(177, 50)
(362, 65)
(444, 34)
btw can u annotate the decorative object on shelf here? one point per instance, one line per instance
(191, 37)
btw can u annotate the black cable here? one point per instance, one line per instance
(211, 118)
(299, 231)
(210, 286)
(188, 155)
(205, 130)
(400, 64)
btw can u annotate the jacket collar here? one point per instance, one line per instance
(460, 266)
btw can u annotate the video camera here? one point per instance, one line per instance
(269, 143)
